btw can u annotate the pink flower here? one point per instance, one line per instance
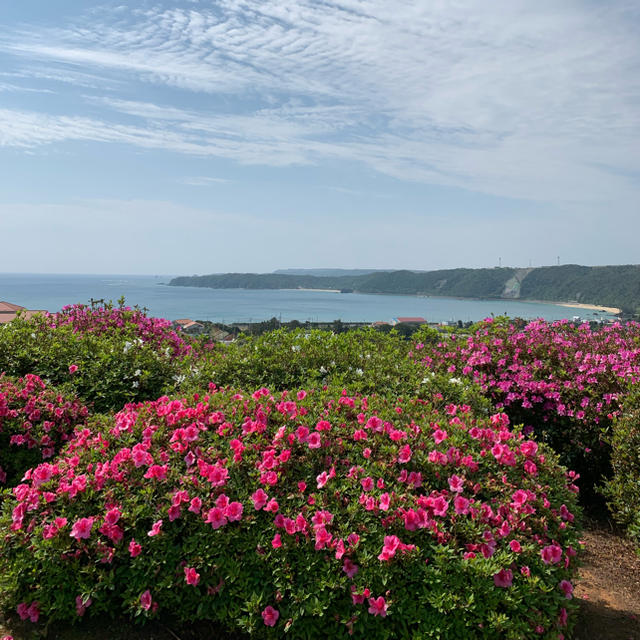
(276, 543)
(314, 440)
(322, 479)
(234, 511)
(191, 576)
(551, 554)
(515, 546)
(385, 500)
(349, 567)
(439, 435)
(270, 616)
(367, 483)
(404, 455)
(216, 518)
(461, 505)
(112, 516)
(82, 605)
(134, 548)
(504, 578)
(73, 368)
(391, 544)
(378, 606)
(440, 506)
(259, 499)
(146, 600)
(456, 484)
(567, 589)
(81, 528)
(155, 528)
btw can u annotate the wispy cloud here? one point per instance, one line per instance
(537, 101)
(203, 181)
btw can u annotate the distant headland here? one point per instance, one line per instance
(611, 288)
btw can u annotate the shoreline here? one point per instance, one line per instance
(580, 305)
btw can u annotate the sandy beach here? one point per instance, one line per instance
(594, 307)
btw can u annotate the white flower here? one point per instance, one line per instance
(359, 372)
(323, 370)
(455, 380)
(295, 347)
(127, 346)
(135, 384)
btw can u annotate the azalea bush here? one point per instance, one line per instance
(107, 355)
(623, 488)
(312, 514)
(35, 420)
(565, 383)
(362, 361)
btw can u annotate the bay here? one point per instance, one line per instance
(53, 291)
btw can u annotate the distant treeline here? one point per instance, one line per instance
(614, 286)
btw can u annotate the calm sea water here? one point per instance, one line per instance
(52, 292)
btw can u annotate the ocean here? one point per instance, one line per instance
(53, 291)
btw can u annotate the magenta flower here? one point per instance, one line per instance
(461, 505)
(134, 548)
(378, 606)
(551, 554)
(259, 499)
(234, 511)
(155, 528)
(349, 567)
(504, 578)
(82, 605)
(270, 616)
(439, 435)
(456, 484)
(404, 454)
(112, 516)
(216, 517)
(146, 600)
(313, 440)
(81, 528)
(567, 589)
(191, 576)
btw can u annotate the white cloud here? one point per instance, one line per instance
(538, 101)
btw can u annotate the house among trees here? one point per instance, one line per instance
(409, 320)
(9, 311)
(189, 326)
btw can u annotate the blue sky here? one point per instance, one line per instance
(200, 137)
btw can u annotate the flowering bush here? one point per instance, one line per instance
(363, 361)
(318, 514)
(34, 422)
(563, 382)
(623, 488)
(100, 320)
(107, 356)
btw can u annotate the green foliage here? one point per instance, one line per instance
(623, 488)
(113, 367)
(614, 286)
(361, 361)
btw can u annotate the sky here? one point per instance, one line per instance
(195, 137)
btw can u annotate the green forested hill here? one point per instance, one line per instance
(616, 286)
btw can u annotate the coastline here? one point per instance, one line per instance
(579, 305)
